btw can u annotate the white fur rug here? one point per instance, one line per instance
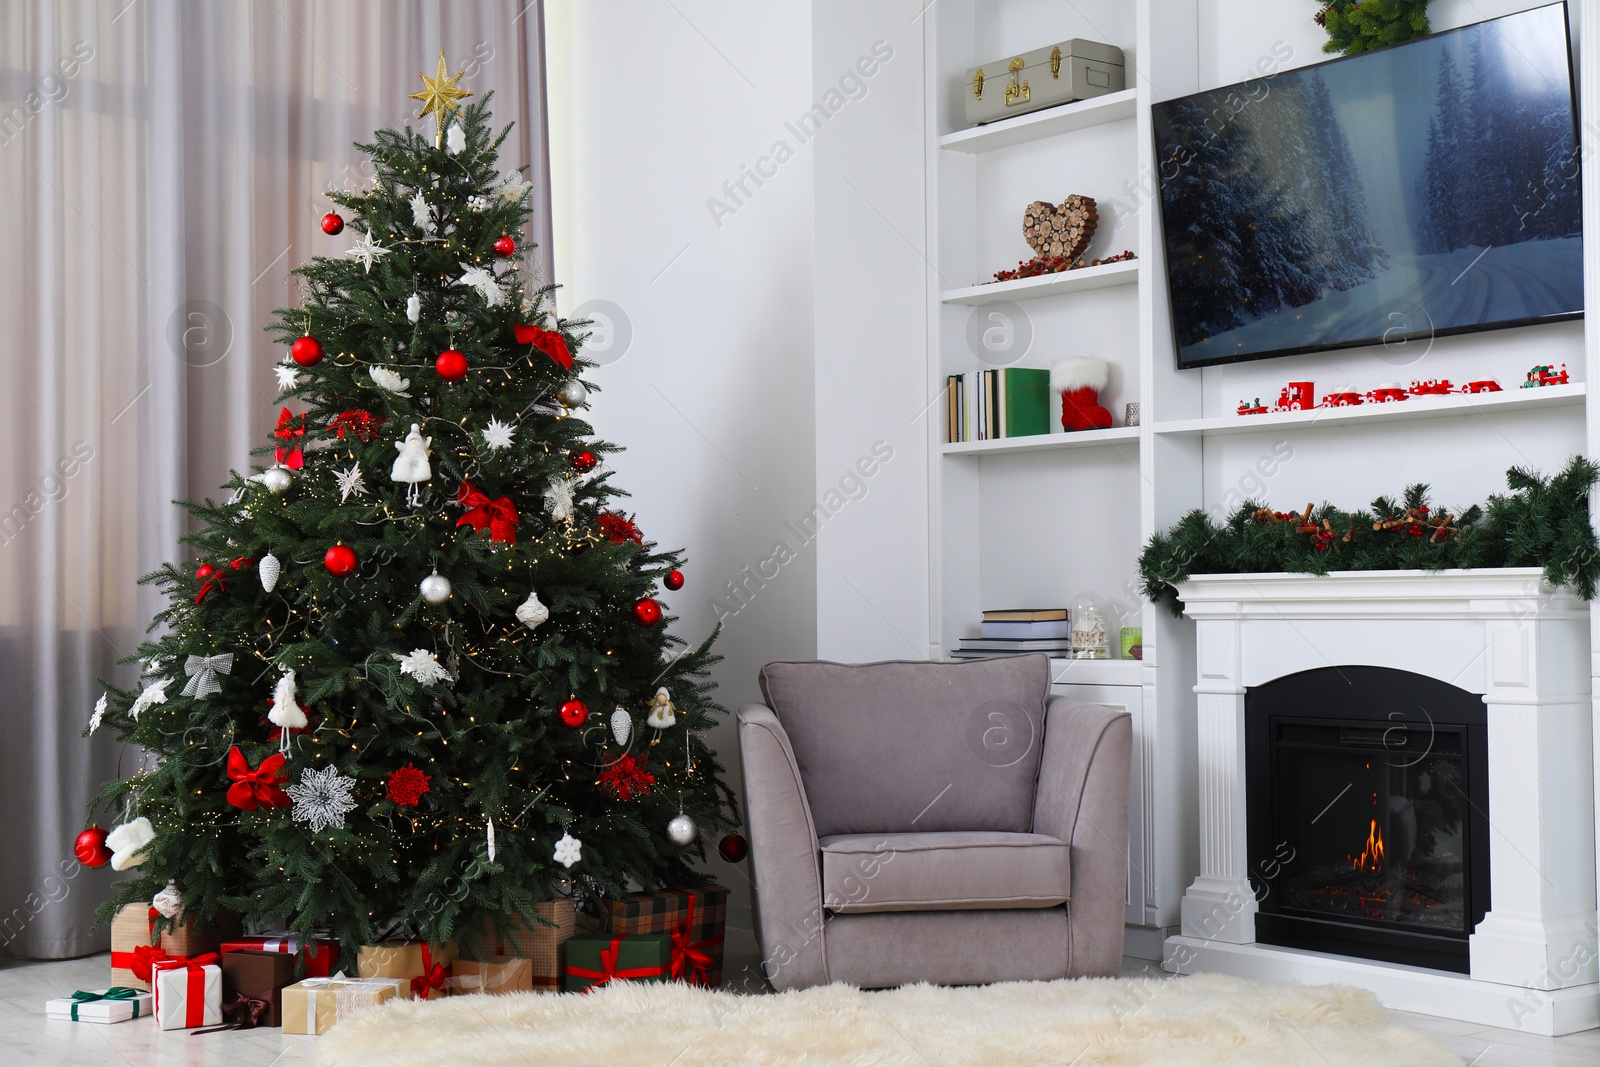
(1099, 1022)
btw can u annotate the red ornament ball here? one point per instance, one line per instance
(574, 713)
(204, 571)
(673, 580)
(332, 224)
(647, 612)
(451, 365)
(505, 248)
(306, 351)
(90, 848)
(340, 560)
(583, 462)
(733, 847)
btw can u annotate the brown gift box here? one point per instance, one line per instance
(495, 976)
(259, 975)
(665, 912)
(405, 959)
(193, 936)
(510, 936)
(313, 1005)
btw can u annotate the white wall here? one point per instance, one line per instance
(654, 106)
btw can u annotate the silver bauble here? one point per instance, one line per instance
(276, 479)
(436, 588)
(269, 568)
(682, 831)
(572, 394)
(621, 726)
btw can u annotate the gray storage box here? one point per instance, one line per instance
(1058, 74)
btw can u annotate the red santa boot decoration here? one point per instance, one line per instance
(1079, 381)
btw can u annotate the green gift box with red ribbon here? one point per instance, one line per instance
(696, 920)
(593, 960)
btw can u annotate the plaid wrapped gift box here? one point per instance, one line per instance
(511, 936)
(134, 947)
(696, 920)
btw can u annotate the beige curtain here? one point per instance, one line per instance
(162, 167)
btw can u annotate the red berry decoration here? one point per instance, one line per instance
(574, 713)
(332, 224)
(407, 784)
(647, 612)
(451, 365)
(733, 847)
(90, 848)
(505, 248)
(673, 580)
(583, 462)
(307, 351)
(340, 560)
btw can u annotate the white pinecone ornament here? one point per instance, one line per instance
(269, 569)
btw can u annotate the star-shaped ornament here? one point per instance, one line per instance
(349, 482)
(439, 95)
(498, 435)
(421, 213)
(287, 378)
(367, 251)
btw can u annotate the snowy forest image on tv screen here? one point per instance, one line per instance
(1423, 189)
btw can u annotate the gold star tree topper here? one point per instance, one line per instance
(439, 96)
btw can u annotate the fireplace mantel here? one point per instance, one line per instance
(1504, 633)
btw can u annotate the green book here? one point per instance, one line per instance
(1026, 393)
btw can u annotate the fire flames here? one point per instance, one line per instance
(1371, 858)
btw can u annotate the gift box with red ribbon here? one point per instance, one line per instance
(593, 960)
(188, 992)
(426, 968)
(321, 954)
(695, 919)
(134, 946)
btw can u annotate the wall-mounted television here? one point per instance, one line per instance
(1424, 189)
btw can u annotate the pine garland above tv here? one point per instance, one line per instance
(1424, 189)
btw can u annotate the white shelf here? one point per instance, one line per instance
(1082, 280)
(1415, 409)
(1045, 442)
(1096, 671)
(1096, 111)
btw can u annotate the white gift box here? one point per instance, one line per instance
(174, 986)
(69, 1009)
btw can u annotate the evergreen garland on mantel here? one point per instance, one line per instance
(1542, 522)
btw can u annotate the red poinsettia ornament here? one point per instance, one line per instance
(550, 342)
(407, 784)
(290, 427)
(256, 787)
(360, 424)
(619, 528)
(498, 516)
(627, 778)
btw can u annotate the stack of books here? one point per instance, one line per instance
(986, 405)
(1016, 631)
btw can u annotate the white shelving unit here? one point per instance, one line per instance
(1036, 521)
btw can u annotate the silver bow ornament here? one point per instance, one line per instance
(203, 671)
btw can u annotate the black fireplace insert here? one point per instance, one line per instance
(1367, 793)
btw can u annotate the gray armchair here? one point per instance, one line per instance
(942, 822)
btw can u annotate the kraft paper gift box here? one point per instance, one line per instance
(187, 994)
(511, 936)
(259, 976)
(595, 959)
(312, 1006)
(321, 965)
(696, 919)
(493, 976)
(133, 947)
(425, 967)
(118, 1004)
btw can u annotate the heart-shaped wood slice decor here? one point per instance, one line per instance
(1063, 230)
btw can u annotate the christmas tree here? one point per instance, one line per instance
(420, 672)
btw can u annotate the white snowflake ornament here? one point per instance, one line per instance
(424, 666)
(389, 381)
(288, 378)
(483, 281)
(367, 251)
(322, 798)
(531, 613)
(455, 141)
(497, 435)
(349, 482)
(99, 713)
(569, 850)
(421, 215)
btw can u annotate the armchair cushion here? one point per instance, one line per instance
(908, 747)
(961, 871)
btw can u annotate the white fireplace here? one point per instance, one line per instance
(1502, 633)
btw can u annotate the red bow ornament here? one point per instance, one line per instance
(360, 424)
(253, 788)
(432, 976)
(498, 516)
(288, 430)
(549, 342)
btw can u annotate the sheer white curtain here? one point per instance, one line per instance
(162, 167)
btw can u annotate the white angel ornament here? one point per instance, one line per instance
(662, 710)
(411, 465)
